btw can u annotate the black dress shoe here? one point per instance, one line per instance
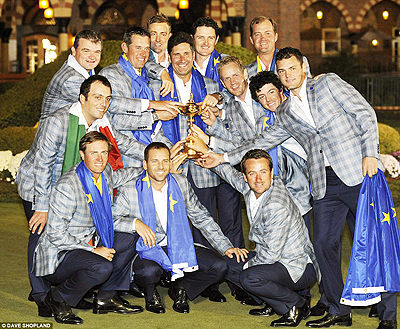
(293, 317)
(243, 297)
(44, 310)
(373, 312)
(83, 305)
(30, 297)
(136, 291)
(213, 294)
(387, 324)
(330, 320)
(155, 304)
(115, 305)
(61, 311)
(178, 295)
(265, 311)
(91, 294)
(319, 309)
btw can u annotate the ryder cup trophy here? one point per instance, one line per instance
(190, 109)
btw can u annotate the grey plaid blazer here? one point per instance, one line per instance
(252, 68)
(126, 206)
(69, 224)
(202, 177)
(126, 112)
(62, 90)
(237, 128)
(346, 131)
(277, 228)
(122, 117)
(41, 168)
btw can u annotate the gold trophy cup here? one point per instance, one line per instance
(190, 109)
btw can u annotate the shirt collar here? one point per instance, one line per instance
(205, 63)
(72, 62)
(247, 99)
(303, 90)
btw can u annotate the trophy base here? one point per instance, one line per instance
(192, 154)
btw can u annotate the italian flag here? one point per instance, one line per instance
(77, 129)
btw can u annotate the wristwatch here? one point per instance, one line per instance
(221, 98)
(154, 116)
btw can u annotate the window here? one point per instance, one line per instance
(331, 44)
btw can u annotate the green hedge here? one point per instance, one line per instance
(21, 104)
(16, 139)
(389, 139)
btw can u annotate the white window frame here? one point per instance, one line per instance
(325, 40)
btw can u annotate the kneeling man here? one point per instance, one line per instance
(159, 203)
(79, 248)
(283, 261)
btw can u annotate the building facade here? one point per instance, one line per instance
(323, 30)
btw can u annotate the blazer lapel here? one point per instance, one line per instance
(259, 115)
(311, 99)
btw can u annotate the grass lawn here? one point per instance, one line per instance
(14, 289)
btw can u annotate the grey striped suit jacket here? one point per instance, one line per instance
(69, 224)
(237, 128)
(346, 131)
(126, 206)
(202, 177)
(277, 227)
(41, 168)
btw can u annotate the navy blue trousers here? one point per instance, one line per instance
(271, 283)
(212, 269)
(330, 214)
(80, 270)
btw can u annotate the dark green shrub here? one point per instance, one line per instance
(21, 104)
(244, 54)
(16, 139)
(389, 139)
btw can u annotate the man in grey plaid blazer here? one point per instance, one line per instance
(338, 130)
(63, 88)
(41, 168)
(263, 36)
(212, 268)
(204, 182)
(140, 114)
(284, 260)
(69, 256)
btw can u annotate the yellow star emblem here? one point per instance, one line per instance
(394, 212)
(89, 198)
(265, 124)
(172, 202)
(147, 180)
(386, 217)
(372, 204)
(216, 61)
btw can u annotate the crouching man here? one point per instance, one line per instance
(283, 261)
(81, 246)
(160, 203)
